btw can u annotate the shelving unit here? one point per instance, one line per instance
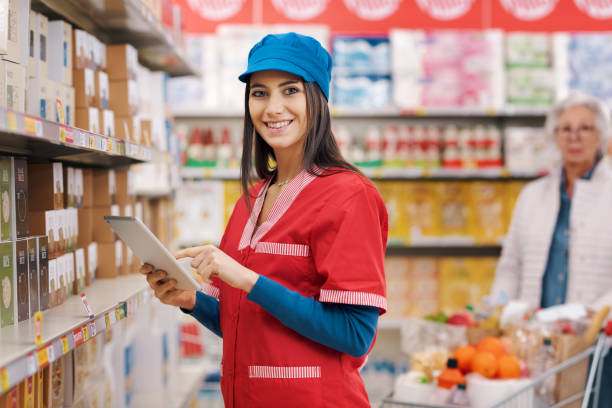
(181, 389)
(68, 326)
(26, 135)
(120, 21)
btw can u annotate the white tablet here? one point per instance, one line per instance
(150, 250)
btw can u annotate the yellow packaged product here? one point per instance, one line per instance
(423, 287)
(232, 193)
(422, 207)
(488, 213)
(393, 194)
(513, 189)
(454, 209)
(457, 285)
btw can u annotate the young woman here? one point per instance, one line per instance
(297, 283)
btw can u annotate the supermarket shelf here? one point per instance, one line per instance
(390, 323)
(22, 134)
(181, 388)
(381, 173)
(120, 21)
(387, 113)
(443, 249)
(67, 326)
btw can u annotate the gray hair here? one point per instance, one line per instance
(598, 107)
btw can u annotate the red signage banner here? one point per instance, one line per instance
(552, 15)
(378, 16)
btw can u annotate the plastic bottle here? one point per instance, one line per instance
(451, 376)
(459, 396)
(543, 361)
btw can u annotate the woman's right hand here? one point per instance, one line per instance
(165, 290)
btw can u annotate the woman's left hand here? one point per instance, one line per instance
(210, 261)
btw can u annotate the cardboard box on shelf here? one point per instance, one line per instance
(82, 56)
(124, 101)
(13, 32)
(108, 123)
(47, 105)
(32, 65)
(10, 399)
(42, 245)
(102, 90)
(127, 128)
(68, 100)
(102, 233)
(122, 194)
(422, 207)
(88, 119)
(56, 90)
(454, 209)
(8, 284)
(2, 84)
(4, 22)
(15, 75)
(78, 188)
(488, 223)
(85, 226)
(104, 186)
(41, 45)
(53, 283)
(33, 275)
(88, 187)
(80, 265)
(23, 286)
(27, 392)
(92, 263)
(125, 62)
(112, 254)
(7, 221)
(69, 265)
(61, 279)
(45, 186)
(20, 200)
(60, 52)
(69, 183)
(33, 98)
(84, 87)
(145, 132)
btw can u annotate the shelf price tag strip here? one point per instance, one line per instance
(31, 364)
(65, 347)
(4, 379)
(11, 121)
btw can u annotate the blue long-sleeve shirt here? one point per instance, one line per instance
(554, 281)
(347, 328)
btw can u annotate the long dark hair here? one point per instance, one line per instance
(320, 147)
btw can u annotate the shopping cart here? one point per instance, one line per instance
(525, 396)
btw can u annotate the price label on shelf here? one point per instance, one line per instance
(62, 134)
(65, 347)
(92, 142)
(30, 125)
(51, 352)
(107, 320)
(82, 139)
(103, 143)
(110, 145)
(93, 330)
(85, 331)
(4, 379)
(118, 314)
(78, 337)
(31, 366)
(38, 328)
(11, 121)
(43, 357)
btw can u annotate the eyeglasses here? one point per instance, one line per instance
(582, 131)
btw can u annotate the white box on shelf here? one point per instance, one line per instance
(15, 86)
(32, 36)
(41, 46)
(4, 5)
(60, 52)
(108, 123)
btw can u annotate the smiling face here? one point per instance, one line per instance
(577, 136)
(277, 106)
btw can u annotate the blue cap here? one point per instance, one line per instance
(294, 53)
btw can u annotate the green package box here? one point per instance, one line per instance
(7, 283)
(6, 230)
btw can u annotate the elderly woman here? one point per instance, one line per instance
(559, 245)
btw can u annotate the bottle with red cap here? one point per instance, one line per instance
(451, 376)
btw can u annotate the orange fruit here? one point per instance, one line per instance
(485, 364)
(492, 345)
(464, 356)
(509, 367)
